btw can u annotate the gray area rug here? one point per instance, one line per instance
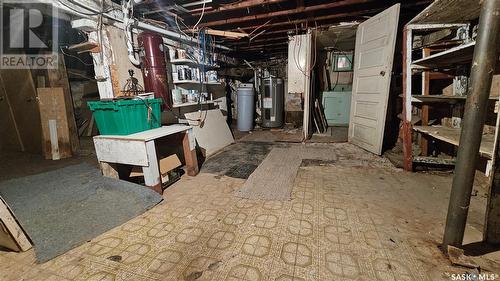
(273, 179)
(64, 208)
(238, 160)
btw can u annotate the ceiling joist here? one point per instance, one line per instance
(284, 12)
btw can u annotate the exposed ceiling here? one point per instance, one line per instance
(268, 22)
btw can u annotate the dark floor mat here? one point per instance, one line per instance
(64, 208)
(238, 160)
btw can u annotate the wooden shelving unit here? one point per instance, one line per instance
(193, 63)
(452, 136)
(438, 60)
(430, 99)
(458, 55)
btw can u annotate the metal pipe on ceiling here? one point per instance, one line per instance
(117, 21)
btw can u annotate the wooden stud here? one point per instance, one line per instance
(424, 115)
(407, 127)
(189, 147)
(13, 229)
(151, 173)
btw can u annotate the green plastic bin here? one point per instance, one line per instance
(124, 117)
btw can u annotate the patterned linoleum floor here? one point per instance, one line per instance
(344, 222)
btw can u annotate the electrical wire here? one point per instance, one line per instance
(178, 27)
(201, 16)
(81, 75)
(70, 55)
(296, 55)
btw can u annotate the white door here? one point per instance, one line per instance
(374, 54)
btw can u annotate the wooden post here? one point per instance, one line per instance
(407, 135)
(189, 147)
(151, 173)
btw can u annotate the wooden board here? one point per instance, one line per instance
(442, 99)
(20, 92)
(166, 164)
(52, 106)
(150, 134)
(213, 133)
(448, 11)
(123, 151)
(452, 136)
(120, 64)
(495, 86)
(12, 236)
(58, 78)
(454, 56)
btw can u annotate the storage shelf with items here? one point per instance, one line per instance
(185, 104)
(195, 82)
(192, 71)
(438, 50)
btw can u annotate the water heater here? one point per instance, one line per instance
(272, 102)
(154, 66)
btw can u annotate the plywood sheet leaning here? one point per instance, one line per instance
(211, 131)
(52, 104)
(59, 78)
(12, 236)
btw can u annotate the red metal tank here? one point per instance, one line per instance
(154, 67)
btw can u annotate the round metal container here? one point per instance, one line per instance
(272, 103)
(154, 66)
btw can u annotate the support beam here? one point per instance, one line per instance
(283, 18)
(483, 66)
(253, 42)
(237, 6)
(264, 45)
(339, 17)
(331, 5)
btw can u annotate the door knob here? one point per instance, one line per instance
(382, 73)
